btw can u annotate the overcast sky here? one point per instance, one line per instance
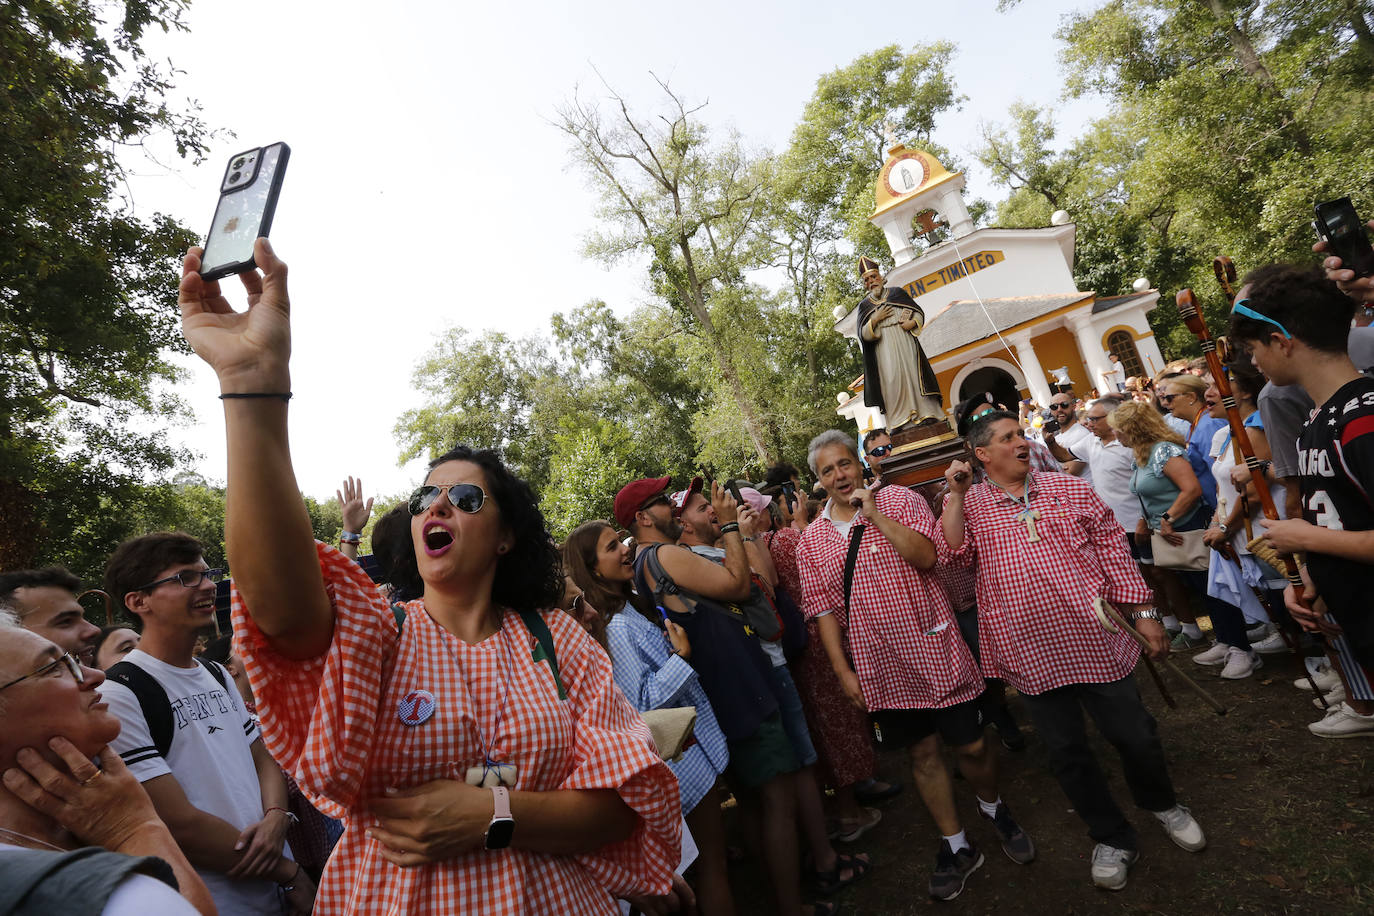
(427, 187)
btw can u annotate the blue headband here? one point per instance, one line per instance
(1240, 308)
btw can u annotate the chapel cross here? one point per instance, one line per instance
(1028, 517)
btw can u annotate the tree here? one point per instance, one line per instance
(74, 92)
(666, 192)
(589, 468)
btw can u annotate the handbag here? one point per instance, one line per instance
(1193, 555)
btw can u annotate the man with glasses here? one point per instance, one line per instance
(188, 737)
(1071, 433)
(877, 446)
(45, 602)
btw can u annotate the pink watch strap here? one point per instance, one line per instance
(502, 797)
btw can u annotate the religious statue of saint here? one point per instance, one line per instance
(898, 379)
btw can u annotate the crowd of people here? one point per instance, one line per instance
(468, 734)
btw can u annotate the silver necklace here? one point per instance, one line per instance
(33, 839)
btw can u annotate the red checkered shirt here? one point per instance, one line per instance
(334, 721)
(900, 631)
(1036, 625)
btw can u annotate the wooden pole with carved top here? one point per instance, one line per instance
(1192, 318)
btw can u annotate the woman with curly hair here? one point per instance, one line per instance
(1171, 500)
(475, 746)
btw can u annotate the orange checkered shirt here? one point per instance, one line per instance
(333, 722)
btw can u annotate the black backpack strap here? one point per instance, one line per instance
(856, 534)
(219, 671)
(152, 699)
(536, 624)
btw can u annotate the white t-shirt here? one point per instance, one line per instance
(1074, 438)
(209, 757)
(140, 895)
(1110, 465)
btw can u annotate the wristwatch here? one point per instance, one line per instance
(1165, 518)
(502, 826)
(1148, 613)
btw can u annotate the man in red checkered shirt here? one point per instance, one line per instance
(911, 669)
(1046, 548)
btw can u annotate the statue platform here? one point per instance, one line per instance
(922, 454)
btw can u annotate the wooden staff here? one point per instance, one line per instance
(1110, 619)
(1225, 270)
(1187, 308)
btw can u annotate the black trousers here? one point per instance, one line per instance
(1121, 718)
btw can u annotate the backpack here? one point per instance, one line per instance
(728, 660)
(153, 700)
(759, 610)
(534, 622)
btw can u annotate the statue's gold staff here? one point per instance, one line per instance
(1112, 621)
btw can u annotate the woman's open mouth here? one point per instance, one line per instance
(437, 539)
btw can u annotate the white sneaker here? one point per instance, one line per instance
(1334, 698)
(1325, 676)
(1213, 656)
(1178, 822)
(1259, 632)
(1272, 644)
(1343, 722)
(1110, 866)
(1240, 664)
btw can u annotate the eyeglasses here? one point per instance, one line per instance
(465, 497)
(1089, 418)
(67, 659)
(1062, 405)
(189, 578)
(879, 451)
(982, 413)
(1240, 308)
(659, 500)
(575, 608)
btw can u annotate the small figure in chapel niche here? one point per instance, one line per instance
(898, 379)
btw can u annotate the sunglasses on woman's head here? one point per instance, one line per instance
(465, 497)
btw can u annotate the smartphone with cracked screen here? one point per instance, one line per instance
(247, 202)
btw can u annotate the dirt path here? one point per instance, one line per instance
(1287, 816)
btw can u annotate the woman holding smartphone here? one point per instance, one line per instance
(477, 749)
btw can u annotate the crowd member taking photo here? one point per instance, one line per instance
(478, 749)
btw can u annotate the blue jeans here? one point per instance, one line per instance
(793, 718)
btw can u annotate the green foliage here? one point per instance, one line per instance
(75, 89)
(1227, 121)
(590, 465)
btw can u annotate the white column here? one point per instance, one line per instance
(898, 236)
(1030, 364)
(1094, 357)
(955, 211)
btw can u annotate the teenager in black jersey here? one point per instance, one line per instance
(1296, 323)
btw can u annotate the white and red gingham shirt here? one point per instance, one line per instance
(1036, 626)
(334, 723)
(900, 630)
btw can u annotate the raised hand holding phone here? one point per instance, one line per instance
(247, 203)
(250, 351)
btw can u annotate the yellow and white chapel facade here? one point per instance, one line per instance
(1002, 310)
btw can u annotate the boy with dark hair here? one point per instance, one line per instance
(45, 602)
(1297, 324)
(187, 734)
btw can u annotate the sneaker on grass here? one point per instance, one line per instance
(1178, 822)
(1015, 843)
(1213, 656)
(1343, 722)
(1240, 664)
(952, 870)
(1272, 644)
(1110, 866)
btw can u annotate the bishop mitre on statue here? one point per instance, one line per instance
(898, 379)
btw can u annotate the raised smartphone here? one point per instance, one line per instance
(1339, 226)
(247, 201)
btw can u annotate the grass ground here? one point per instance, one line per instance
(1287, 816)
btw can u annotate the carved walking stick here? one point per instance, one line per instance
(1192, 317)
(1112, 621)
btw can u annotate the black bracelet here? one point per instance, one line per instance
(283, 395)
(728, 527)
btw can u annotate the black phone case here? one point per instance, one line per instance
(1355, 252)
(269, 210)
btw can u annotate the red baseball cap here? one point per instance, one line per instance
(679, 499)
(635, 494)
